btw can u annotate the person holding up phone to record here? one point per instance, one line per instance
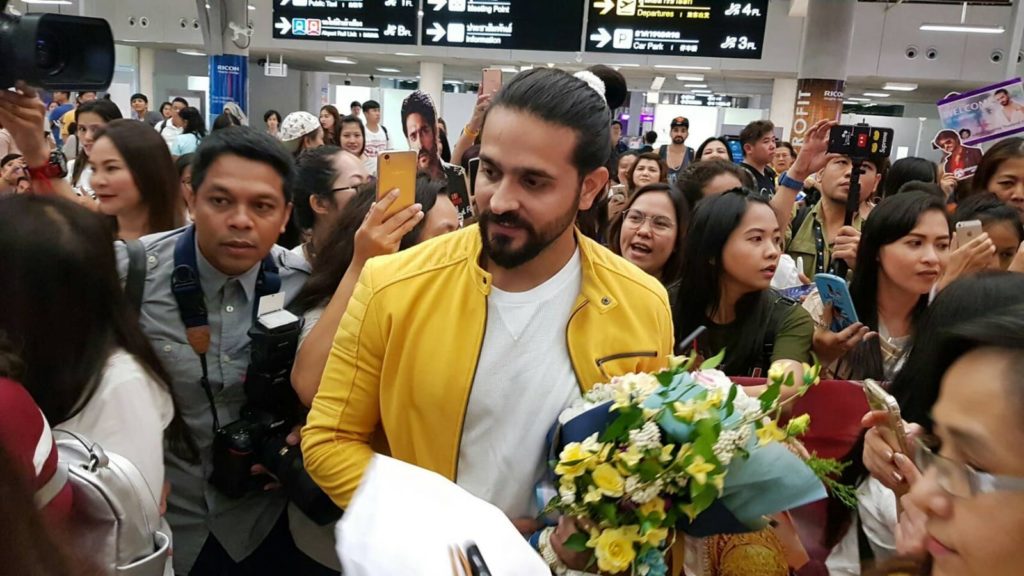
(902, 253)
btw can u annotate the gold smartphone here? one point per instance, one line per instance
(879, 399)
(491, 82)
(966, 231)
(397, 169)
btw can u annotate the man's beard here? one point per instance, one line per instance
(500, 250)
(678, 139)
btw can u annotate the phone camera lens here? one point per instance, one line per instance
(387, 156)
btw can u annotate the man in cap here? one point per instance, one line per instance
(677, 154)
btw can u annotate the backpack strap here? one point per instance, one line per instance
(799, 219)
(136, 280)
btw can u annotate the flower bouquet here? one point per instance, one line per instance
(647, 455)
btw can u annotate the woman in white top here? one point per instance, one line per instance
(86, 363)
(89, 117)
(192, 133)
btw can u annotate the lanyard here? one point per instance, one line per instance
(188, 293)
(819, 250)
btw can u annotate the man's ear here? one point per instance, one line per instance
(287, 216)
(593, 184)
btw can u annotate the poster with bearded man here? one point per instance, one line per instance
(419, 122)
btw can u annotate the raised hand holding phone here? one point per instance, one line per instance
(833, 291)
(397, 170)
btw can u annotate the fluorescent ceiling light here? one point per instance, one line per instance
(251, 7)
(701, 91)
(551, 64)
(51, 2)
(405, 54)
(968, 28)
(657, 83)
(190, 52)
(900, 86)
(690, 77)
(388, 70)
(625, 65)
(509, 69)
(855, 99)
(454, 82)
(339, 60)
(695, 85)
(675, 67)
(877, 94)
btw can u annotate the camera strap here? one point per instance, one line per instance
(188, 293)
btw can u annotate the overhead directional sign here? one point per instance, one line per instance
(505, 24)
(371, 21)
(710, 28)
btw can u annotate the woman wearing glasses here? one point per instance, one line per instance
(327, 180)
(966, 509)
(651, 233)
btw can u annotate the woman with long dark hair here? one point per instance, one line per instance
(362, 231)
(89, 117)
(712, 148)
(648, 169)
(903, 251)
(732, 250)
(1001, 172)
(999, 221)
(353, 139)
(192, 133)
(330, 121)
(651, 233)
(99, 378)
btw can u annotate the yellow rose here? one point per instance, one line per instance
(655, 507)
(608, 480)
(769, 433)
(777, 372)
(690, 411)
(592, 495)
(614, 550)
(572, 462)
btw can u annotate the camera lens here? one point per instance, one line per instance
(387, 156)
(48, 56)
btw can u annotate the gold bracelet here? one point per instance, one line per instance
(469, 132)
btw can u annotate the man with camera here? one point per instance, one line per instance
(211, 306)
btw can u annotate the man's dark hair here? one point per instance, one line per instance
(755, 131)
(692, 180)
(1003, 91)
(419, 103)
(371, 105)
(651, 137)
(249, 144)
(64, 92)
(139, 96)
(354, 104)
(617, 123)
(84, 92)
(8, 159)
(947, 135)
(180, 100)
(558, 97)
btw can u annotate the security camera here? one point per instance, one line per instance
(261, 62)
(996, 56)
(144, 22)
(910, 52)
(238, 32)
(348, 82)
(931, 53)
(372, 78)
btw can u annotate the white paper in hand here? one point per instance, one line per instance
(402, 520)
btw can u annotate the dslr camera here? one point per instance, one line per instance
(272, 409)
(55, 51)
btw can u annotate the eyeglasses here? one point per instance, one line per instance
(961, 480)
(354, 188)
(659, 224)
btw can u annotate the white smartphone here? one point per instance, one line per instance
(967, 230)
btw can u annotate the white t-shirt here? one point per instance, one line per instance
(168, 131)
(84, 187)
(127, 415)
(524, 379)
(376, 142)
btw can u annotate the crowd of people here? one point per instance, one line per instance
(451, 336)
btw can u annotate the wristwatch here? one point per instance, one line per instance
(56, 167)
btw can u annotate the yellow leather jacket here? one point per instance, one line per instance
(406, 352)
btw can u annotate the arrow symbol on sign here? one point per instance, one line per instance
(605, 6)
(283, 26)
(602, 37)
(285, 2)
(436, 32)
(437, 4)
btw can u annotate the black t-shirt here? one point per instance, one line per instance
(765, 183)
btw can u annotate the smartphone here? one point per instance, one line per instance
(735, 148)
(860, 141)
(397, 169)
(966, 231)
(879, 399)
(833, 290)
(474, 169)
(617, 190)
(491, 82)
(797, 293)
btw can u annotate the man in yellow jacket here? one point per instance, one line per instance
(465, 349)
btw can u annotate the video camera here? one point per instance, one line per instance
(55, 52)
(271, 411)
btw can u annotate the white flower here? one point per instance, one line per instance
(647, 493)
(646, 438)
(632, 483)
(568, 498)
(591, 444)
(714, 380)
(726, 445)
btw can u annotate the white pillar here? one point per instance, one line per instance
(314, 91)
(783, 96)
(147, 71)
(432, 82)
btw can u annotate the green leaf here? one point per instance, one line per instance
(649, 469)
(577, 542)
(770, 395)
(714, 361)
(729, 408)
(665, 378)
(629, 418)
(608, 511)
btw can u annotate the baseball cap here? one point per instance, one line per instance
(295, 126)
(680, 121)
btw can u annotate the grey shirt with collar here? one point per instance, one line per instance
(195, 508)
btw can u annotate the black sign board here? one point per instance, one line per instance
(505, 24)
(709, 28)
(370, 21)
